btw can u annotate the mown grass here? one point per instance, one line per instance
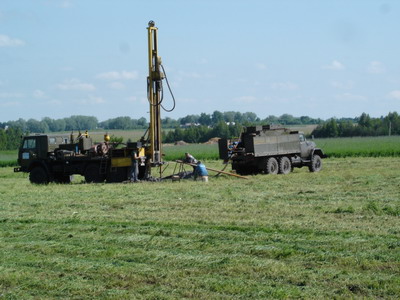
(333, 234)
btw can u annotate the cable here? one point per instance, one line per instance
(161, 89)
(169, 88)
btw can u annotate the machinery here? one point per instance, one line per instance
(56, 158)
(271, 150)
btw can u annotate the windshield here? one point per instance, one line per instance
(29, 144)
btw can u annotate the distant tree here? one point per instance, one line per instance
(249, 117)
(217, 117)
(205, 119)
(142, 122)
(229, 116)
(36, 126)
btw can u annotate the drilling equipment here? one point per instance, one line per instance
(55, 158)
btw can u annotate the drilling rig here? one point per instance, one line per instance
(55, 158)
(154, 95)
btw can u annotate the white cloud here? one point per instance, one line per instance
(245, 99)
(66, 3)
(203, 61)
(91, 100)
(39, 94)
(376, 67)
(10, 104)
(54, 102)
(75, 84)
(334, 65)
(350, 97)
(5, 95)
(133, 99)
(260, 66)
(183, 74)
(67, 69)
(347, 85)
(394, 94)
(286, 86)
(117, 85)
(6, 41)
(118, 75)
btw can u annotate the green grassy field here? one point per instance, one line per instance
(333, 234)
(361, 146)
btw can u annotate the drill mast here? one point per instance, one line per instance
(154, 90)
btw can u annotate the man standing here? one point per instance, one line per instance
(201, 172)
(135, 167)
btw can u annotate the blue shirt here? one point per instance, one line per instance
(201, 170)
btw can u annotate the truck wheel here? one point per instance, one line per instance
(65, 179)
(316, 164)
(285, 165)
(92, 174)
(38, 175)
(272, 166)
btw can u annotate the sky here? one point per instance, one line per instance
(314, 58)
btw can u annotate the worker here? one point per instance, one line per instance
(135, 167)
(190, 158)
(201, 172)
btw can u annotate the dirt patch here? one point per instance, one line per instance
(213, 140)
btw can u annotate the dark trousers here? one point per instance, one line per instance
(134, 170)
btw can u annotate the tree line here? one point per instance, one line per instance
(201, 134)
(79, 122)
(364, 126)
(200, 128)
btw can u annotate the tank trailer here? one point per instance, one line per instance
(270, 149)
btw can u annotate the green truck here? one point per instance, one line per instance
(57, 158)
(270, 150)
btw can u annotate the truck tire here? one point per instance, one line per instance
(316, 164)
(272, 166)
(64, 179)
(92, 174)
(38, 175)
(285, 165)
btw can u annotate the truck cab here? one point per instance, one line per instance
(35, 152)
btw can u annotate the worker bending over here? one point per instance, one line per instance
(200, 172)
(189, 158)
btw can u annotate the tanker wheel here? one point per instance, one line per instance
(316, 164)
(285, 165)
(38, 175)
(272, 166)
(92, 174)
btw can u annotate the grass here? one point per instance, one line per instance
(361, 146)
(200, 151)
(305, 235)
(8, 158)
